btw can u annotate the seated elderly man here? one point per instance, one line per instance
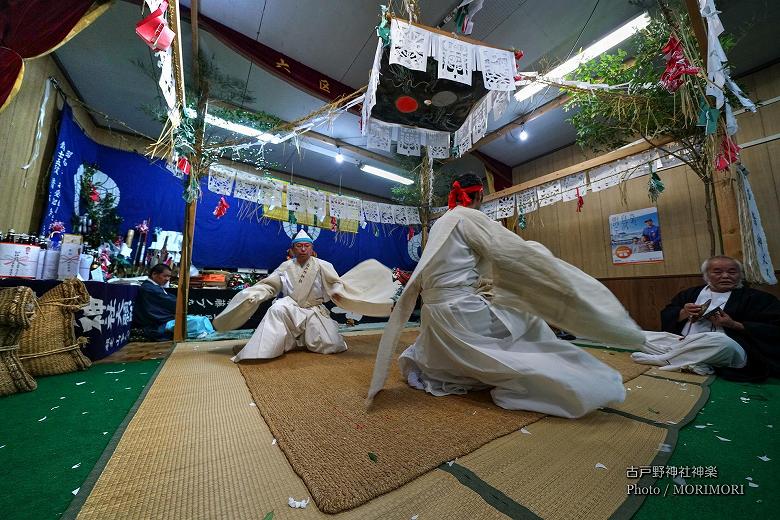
(722, 327)
(299, 319)
(155, 310)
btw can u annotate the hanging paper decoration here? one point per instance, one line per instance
(438, 144)
(371, 211)
(315, 204)
(426, 81)
(297, 198)
(574, 187)
(489, 208)
(386, 213)
(413, 215)
(729, 154)
(400, 215)
(506, 207)
(221, 179)
(408, 141)
(247, 187)
(549, 193)
(757, 262)
(654, 187)
(677, 65)
(603, 177)
(183, 165)
(154, 30)
(222, 207)
(526, 201)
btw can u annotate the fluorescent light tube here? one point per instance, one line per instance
(600, 47)
(373, 170)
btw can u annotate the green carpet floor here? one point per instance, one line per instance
(748, 415)
(45, 461)
(51, 438)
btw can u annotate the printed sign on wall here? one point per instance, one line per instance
(635, 237)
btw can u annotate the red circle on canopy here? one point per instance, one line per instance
(406, 104)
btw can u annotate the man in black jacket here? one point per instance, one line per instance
(722, 327)
(154, 307)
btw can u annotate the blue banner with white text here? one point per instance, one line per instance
(146, 190)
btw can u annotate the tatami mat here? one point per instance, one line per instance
(198, 448)
(552, 470)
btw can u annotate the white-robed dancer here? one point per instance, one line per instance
(299, 319)
(485, 293)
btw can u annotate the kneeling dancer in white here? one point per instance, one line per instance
(485, 293)
(299, 319)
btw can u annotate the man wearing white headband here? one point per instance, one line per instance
(299, 319)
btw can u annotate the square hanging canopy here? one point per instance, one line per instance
(429, 88)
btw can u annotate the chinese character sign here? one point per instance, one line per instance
(635, 237)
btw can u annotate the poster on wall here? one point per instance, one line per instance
(635, 237)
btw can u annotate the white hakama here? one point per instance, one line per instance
(469, 343)
(698, 352)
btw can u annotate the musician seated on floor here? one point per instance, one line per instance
(155, 310)
(722, 327)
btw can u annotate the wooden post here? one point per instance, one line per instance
(183, 293)
(722, 182)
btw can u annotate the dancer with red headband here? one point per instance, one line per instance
(486, 295)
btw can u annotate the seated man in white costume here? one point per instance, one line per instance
(486, 293)
(299, 319)
(721, 327)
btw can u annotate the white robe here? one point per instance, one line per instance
(299, 318)
(701, 349)
(469, 340)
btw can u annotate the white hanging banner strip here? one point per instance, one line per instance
(455, 59)
(755, 240)
(297, 198)
(438, 144)
(316, 204)
(490, 208)
(463, 138)
(500, 102)
(498, 67)
(479, 120)
(380, 136)
(603, 177)
(409, 45)
(247, 187)
(526, 201)
(351, 208)
(413, 215)
(167, 82)
(506, 207)
(408, 141)
(221, 179)
(400, 216)
(385, 213)
(371, 211)
(570, 185)
(549, 193)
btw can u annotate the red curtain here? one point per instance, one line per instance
(32, 28)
